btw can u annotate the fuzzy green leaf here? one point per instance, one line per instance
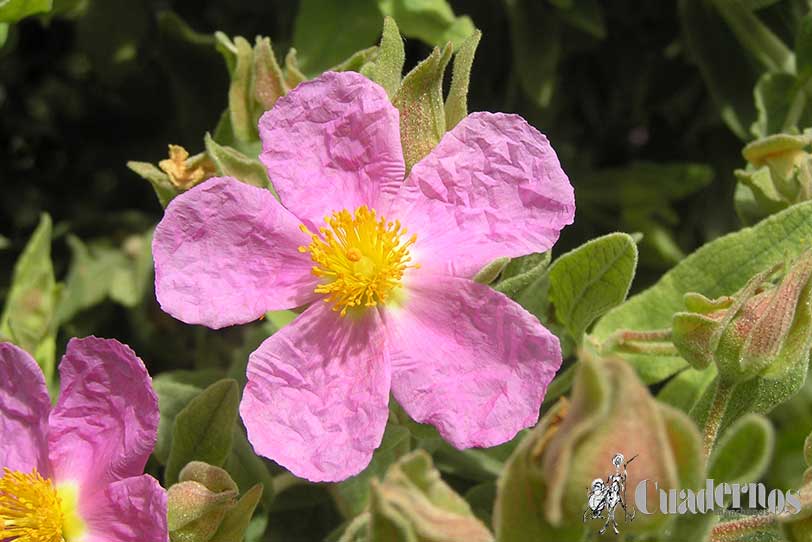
(203, 430)
(29, 316)
(456, 103)
(420, 102)
(743, 451)
(172, 398)
(388, 67)
(719, 268)
(232, 163)
(236, 520)
(269, 82)
(12, 11)
(158, 179)
(590, 280)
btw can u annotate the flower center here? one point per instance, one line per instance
(360, 257)
(33, 510)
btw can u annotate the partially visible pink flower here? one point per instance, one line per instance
(74, 472)
(387, 266)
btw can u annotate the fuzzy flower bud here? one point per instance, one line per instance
(198, 503)
(765, 323)
(413, 503)
(543, 492)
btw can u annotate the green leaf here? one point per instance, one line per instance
(536, 38)
(728, 74)
(325, 33)
(247, 468)
(488, 274)
(293, 75)
(743, 451)
(432, 21)
(158, 179)
(172, 398)
(357, 61)
(456, 103)
(239, 93)
(131, 281)
(420, 102)
(388, 67)
(586, 15)
(29, 316)
(12, 11)
(232, 163)
(774, 97)
(719, 268)
(803, 47)
(520, 277)
(90, 276)
(3, 34)
(269, 82)
(590, 280)
(203, 430)
(236, 520)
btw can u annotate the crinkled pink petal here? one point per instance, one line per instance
(317, 396)
(333, 143)
(226, 253)
(24, 408)
(469, 360)
(492, 187)
(129, 510)
(105, 424)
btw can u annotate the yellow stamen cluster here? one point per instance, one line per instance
(30, 508)
(360, 257)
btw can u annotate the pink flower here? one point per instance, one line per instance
(74, 472)
(386, 267)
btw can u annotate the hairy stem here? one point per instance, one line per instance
(732, 530)
(721, 397)
(656, 342)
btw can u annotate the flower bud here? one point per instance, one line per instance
(413, 503)
(199, 501)
(762, 325)
(779, 172)
(543, 491)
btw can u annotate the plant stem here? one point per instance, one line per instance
(732, 530)
(656, 342)
(721, 396)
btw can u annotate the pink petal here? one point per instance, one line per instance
(493, 187)
(332, 143)
(226, 253)
(317, 396)
(105, 424)
(469, 360)
(24, 408)
(129, 510)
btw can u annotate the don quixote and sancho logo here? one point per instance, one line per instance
(604, 496)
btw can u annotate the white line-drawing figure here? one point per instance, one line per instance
(604, 496)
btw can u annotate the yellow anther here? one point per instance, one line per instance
(360, 258)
